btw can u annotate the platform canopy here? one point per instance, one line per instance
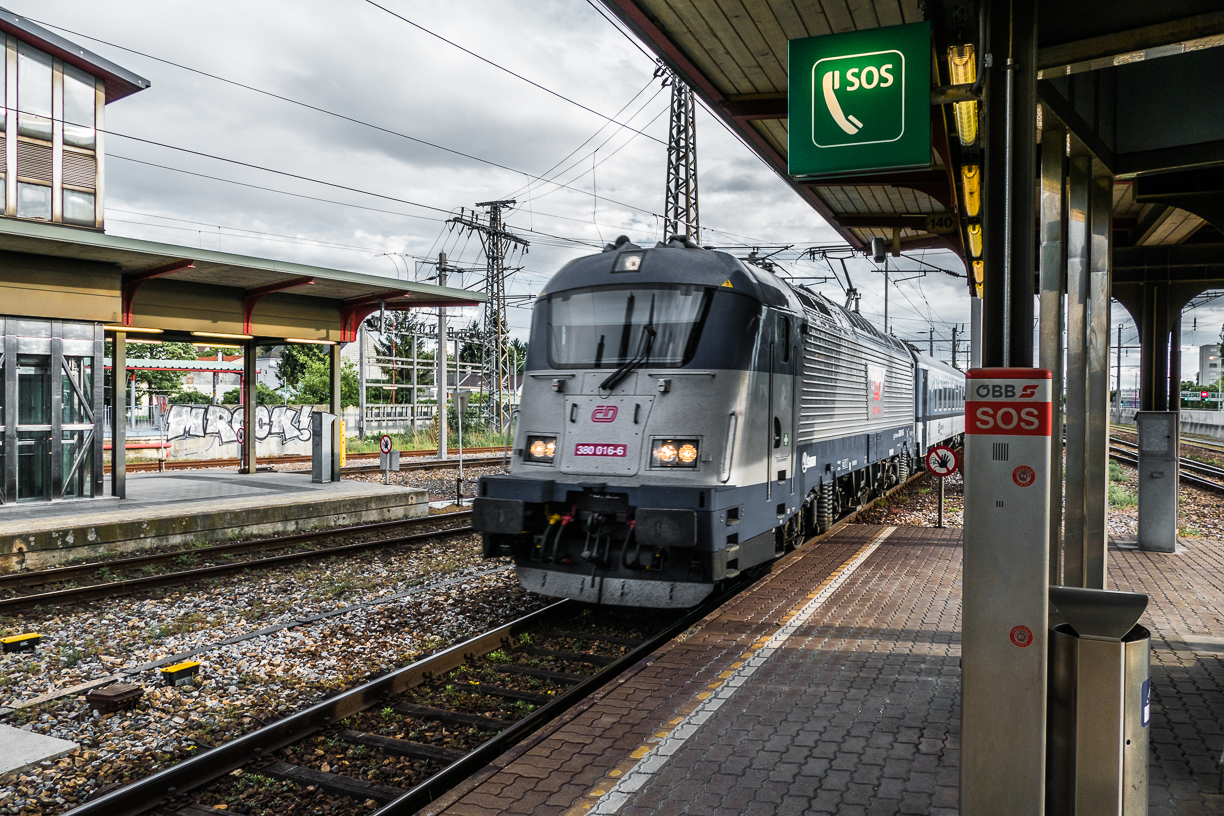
(50, 271)
(1129, 78)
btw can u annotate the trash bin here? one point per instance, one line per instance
(322, 431)
(1098, 707)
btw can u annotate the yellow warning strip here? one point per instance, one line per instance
(804, 610)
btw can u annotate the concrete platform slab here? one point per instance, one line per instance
(21, 749)
(833, 686)
(194, 506)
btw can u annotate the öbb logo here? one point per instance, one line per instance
(1005, 391)
(604, 413)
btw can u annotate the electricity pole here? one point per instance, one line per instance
(497, 242)
(931, 348)
(441, 361)
(954, 365)
(680, 215)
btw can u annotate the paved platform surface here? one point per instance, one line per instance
(832, 686)
(21, 749)
(155, 495)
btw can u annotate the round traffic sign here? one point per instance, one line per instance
(384, 443)
(942, 461)
(1204, 395)
(241, 436)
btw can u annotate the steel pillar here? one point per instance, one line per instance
(118, 417)
(1053, 248)
(250, 389)
(1009, 205)
(1077, 368)
(1096, 400)
(337, 408)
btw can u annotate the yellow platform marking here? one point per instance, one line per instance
(807, 608)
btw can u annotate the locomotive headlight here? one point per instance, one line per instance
(541, 449)
(671, 453)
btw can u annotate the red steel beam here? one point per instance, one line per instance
(133, 280)
(251, 297)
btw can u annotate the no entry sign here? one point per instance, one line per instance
(941, 461)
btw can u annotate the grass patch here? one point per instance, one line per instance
(1116, 473)
(1121, 497)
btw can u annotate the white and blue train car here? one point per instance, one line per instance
(686, 418)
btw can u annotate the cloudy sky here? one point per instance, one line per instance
(436, 130)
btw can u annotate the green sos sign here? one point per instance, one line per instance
(860, 101)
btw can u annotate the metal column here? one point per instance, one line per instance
(1053, 231)
(118, 417)
(975, 332)
(250, 378)
(1009, 201)
(337, 408)
(1096, 400)
(1077, 369)
(440, 376)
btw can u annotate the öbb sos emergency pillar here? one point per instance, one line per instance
(1006, 576)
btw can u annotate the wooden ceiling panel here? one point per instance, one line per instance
(699, 44)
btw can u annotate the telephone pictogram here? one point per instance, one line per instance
(870, 77)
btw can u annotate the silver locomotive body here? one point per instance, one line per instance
(685, 418)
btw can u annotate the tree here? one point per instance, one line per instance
(158, 382)
(314, 388)
(394, 343)
(296, 359)
(263, 396)
(190, 397)
(518, 351)
(472, 350)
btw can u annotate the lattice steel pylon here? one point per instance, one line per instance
(680, 214)
(497, 242)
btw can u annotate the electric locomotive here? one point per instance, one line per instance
(686, 418)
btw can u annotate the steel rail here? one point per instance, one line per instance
(154, 791)
(1129, 458)
(97, 592)
(54, 575)
(445, 464)
(169, 785)
(1184, 462)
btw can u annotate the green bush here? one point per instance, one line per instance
(1116, 473)
(1121, 497)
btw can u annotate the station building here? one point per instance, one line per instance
(66, 287)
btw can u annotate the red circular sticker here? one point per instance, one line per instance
(1021, 636)
(1024, 476)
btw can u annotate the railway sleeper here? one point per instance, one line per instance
(453, 718)
(401, 747)
(620, 641)
(333, 783)
(560, 678)
(513, 694)
(576, 657)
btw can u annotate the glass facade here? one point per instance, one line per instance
(50, 163)
(52, 377)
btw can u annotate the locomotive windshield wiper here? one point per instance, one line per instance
(639, 359)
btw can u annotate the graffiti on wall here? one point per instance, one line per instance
(289, 423)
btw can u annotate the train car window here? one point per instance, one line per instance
(784, 338)
(607, 327)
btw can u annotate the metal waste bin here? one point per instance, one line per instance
(323, 467)
(1098, 708)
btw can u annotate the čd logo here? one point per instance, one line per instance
(858, 99)
(604, 413)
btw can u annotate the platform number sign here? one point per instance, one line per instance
(384, 444)
(860, 101)
(941, 461)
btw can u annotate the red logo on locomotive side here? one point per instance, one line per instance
(603, 413)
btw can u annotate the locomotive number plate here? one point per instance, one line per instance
(582, 449)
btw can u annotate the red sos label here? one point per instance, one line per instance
(1008, 418)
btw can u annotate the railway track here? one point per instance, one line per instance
(157, 467)
(430, 725)
(9, 582)
(1199, 474)
(449, 464)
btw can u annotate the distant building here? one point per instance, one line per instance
(1209, 364)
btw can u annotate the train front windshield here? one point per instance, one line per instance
(609, 327)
